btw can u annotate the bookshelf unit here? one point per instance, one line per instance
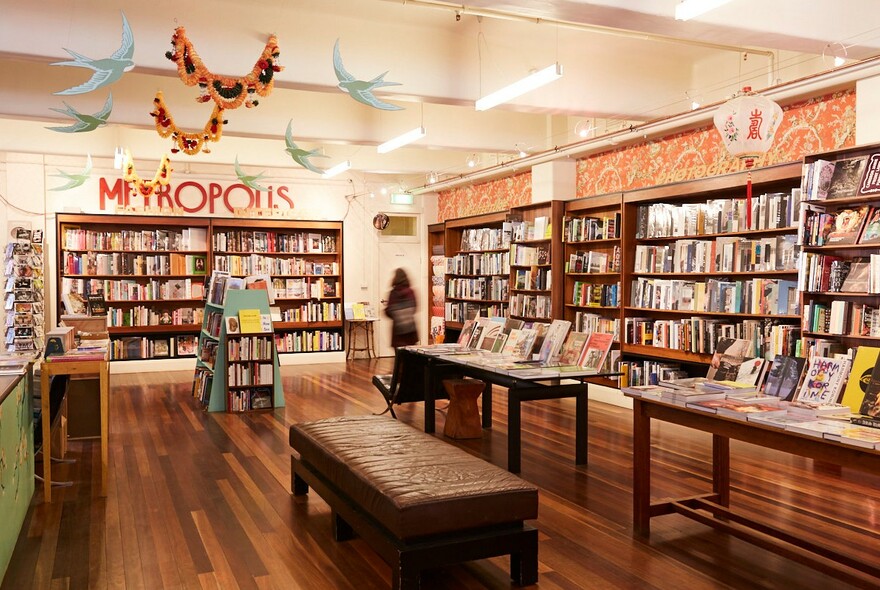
(151, 272)
(535, 262)
(836, 320)
(592, 258)
(436, 279)
(687, 282)
(478, 268)
(225, 378)
(304, 262)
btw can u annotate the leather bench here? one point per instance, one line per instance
(418, 501)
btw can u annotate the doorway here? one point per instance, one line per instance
(400, 247)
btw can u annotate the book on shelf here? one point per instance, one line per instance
(848, 225)
(249, 321)
(845, 178)
(784, 376)
(96, 304)
(261, 281)
(74, 303)
(233, 325)
(217, 287)
(871, 231)
(824, 380)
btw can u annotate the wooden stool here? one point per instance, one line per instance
(367, 342)
(463, 416)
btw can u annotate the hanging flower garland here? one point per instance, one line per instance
(187, 142)
(228, 93)
(146, 188)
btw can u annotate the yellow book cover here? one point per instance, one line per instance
(859, 377)
(249, 321)
(359, 311)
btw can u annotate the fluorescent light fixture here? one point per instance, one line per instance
(401, 140)
(401, 199)
(688, 9)
(530, 82)
(337, 169)
(118, 158)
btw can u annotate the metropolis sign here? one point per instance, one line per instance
(195, 197)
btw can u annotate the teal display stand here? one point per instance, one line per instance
(236, 300)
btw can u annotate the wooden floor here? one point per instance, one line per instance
(203, 501)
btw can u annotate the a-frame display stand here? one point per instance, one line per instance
(217, 389)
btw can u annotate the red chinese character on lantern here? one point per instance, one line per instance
(755, 120)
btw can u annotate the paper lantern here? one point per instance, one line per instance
(747, 124)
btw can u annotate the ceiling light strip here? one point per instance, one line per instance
(688, 9)
(401, 140)
(527, 84)
(337, 169)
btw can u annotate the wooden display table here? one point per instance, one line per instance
(713, 509)
(463, 415)
(55, 366)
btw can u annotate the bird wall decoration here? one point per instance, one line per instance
(104, 71)
(84, 122)
(301, 156)
(74, 180)
(361, 90)
(249, 181)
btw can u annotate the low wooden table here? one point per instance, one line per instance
(79, 367)
(712, 508)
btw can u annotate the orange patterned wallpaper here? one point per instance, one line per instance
(496, 195)
(815, 125)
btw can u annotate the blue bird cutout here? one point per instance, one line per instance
(107, 70)
(84, 122)
(360, 90)
(301, 156)
(74, 180)
(249, 181)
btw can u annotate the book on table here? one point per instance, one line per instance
(824, 380)
(572, 348)
(784, 376)
(595, 351)
(860, 377)
(729, 355)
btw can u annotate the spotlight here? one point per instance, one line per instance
(520, 149)
(432, 178)
(583, 129)
(472, 161)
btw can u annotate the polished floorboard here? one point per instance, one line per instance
(200, 500)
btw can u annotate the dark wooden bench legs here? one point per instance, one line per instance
(409, 558)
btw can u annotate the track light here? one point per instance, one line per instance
(472, 161)
(527, 84)
(401, 140)
(337, 169)
(118, 158)
(432, 178)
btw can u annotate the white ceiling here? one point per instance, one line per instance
(443, 63)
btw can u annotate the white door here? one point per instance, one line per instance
(400, 246)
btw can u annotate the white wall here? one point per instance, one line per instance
(26, 180)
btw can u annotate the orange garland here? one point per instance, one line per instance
(145, 188)
(227, 93)
(189, 143)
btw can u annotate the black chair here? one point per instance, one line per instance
(57, 392)
(406, 383)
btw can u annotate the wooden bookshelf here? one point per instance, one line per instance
(480, 263)
(666, 275)
(304, 261)
(591, 231)
(535, 262)
(118, 253)
(835, 320)
(436, 287)
(146, 269)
